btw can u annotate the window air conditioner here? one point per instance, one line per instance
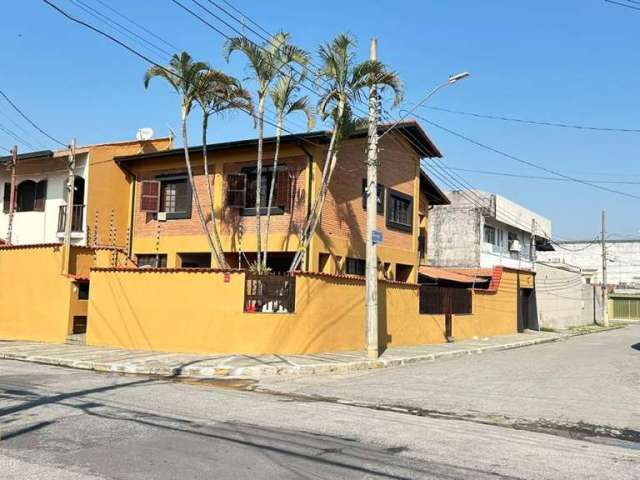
(514, 246)
(162, 216)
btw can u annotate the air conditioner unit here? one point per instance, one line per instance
(162, 216)
(514, 246)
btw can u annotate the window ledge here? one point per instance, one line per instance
(248, 212)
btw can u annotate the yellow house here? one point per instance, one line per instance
(166, 230)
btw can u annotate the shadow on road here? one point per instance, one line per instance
(298, 452)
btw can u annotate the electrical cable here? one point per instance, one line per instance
(533, 122)
(31, 122)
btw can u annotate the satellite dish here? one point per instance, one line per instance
(144, 134)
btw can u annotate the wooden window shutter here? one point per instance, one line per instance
(284, 181)
(150, 196)
(6, 198)
(41, 196)
(236, 190)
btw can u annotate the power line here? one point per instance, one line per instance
(17, 137)
(5, 149)
(141, 27)
(538, 177)
(623, 4)
(31, 122)
(534, 122)
(223, 34)
(150, 61)
(526, 162)
(119, 27)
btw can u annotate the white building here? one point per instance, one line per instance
(623, 267)
(484, 230)
(40, 201)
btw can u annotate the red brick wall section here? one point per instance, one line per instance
(343, 215)
(289, 222)
(146, 226)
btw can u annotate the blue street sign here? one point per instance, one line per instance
(376, 237)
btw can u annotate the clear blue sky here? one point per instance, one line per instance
(572, 61)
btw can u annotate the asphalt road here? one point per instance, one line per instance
(57, 423)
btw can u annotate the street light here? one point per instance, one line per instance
(450, 81)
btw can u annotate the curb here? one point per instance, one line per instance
(263, 371)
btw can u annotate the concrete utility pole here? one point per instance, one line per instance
(68, 219)
(371, 284)
(605, 286)
(532, 245)
(12, 193)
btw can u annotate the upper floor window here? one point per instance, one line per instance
(30, 196)
(355, 266)
(490, 235)
(169, 194)
(379, 199)
(242, 190)
(399, 211)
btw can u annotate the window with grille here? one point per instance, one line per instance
(152, 260)
(379, 196)
(490, 235)
(242, 190)
(399, 211)
(355, 266)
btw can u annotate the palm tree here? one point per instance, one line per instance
(346, 84)
(283, 98)
(267, 62)
(182, 74)
(217, 93)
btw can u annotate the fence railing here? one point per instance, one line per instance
(77, 213)
(269, 293)
(435, 300)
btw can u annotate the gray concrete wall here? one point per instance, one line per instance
(454, 234)
(561, 299)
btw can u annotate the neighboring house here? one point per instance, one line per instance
(484, 230)
(100, 211)
(623, 266)
(562, 299)
(166, 230)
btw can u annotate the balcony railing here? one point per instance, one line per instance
(77, 215)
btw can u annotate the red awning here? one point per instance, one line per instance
(437, 273)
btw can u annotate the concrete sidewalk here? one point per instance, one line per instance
(202, 366)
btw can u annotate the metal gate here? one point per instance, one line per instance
(626, 308)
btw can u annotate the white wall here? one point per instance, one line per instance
(498, 254)
(42, 227)
(624, 269)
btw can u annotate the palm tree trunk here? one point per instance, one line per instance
(185, 141)
(219, 253)
(271, 190)
(259, 183)
(312, 221)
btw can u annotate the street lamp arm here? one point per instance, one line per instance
(450, 81)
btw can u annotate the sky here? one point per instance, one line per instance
(564, 61)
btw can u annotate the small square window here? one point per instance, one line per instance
(380, 199)
(152, 260)
(355, 266)
(399, 211)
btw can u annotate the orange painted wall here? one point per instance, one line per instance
(109, 189)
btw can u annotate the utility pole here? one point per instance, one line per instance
(12, 193)
(371, 284)
(68, 219)
(532, 245)
(605, 286)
